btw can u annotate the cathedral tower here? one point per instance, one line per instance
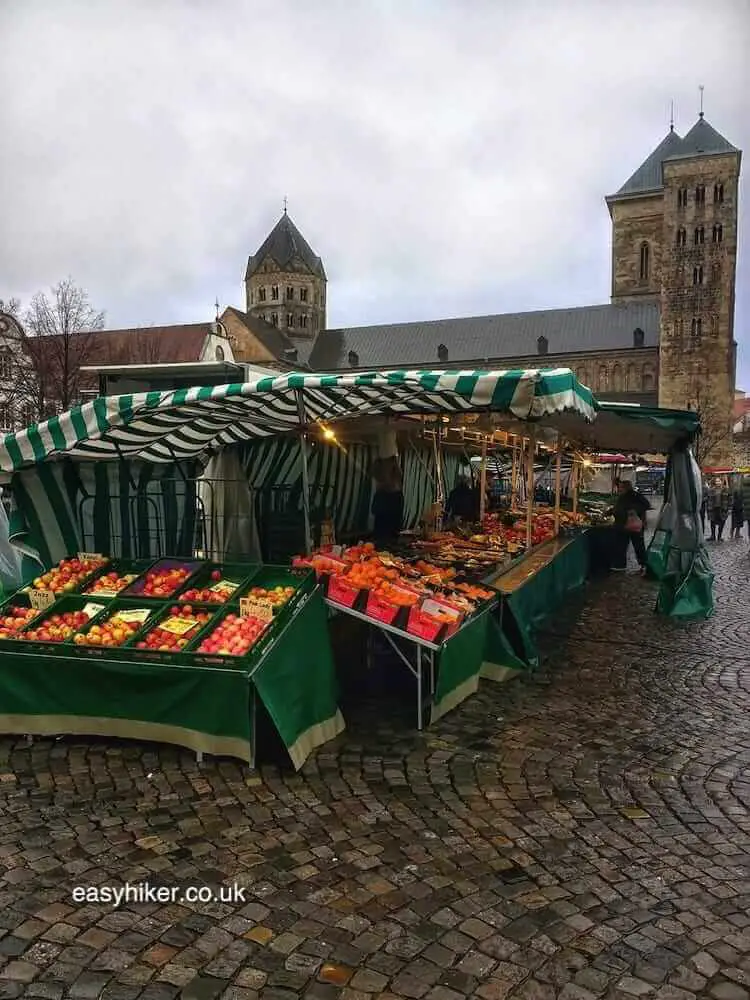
(285, 283)
(674, 238)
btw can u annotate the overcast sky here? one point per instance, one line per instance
(444, 158)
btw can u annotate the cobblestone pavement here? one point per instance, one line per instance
(582, 834)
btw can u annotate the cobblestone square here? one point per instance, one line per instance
(582, 833)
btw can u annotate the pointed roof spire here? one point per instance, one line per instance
(283, 244)
(671, 116)
(648, 177)
(702, 139)
(284, 204)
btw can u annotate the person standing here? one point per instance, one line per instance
(746, 502)
(719, 502)
(630, 525)
(387, 501)
(738, 514)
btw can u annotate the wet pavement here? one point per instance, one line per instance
(584, 833)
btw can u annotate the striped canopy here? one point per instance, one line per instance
(182, 424)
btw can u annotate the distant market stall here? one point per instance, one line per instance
(107, 471)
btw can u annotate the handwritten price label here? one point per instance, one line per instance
(91, 610)
(136, 616)
(86, 556)
(41, 599)
(250, 607)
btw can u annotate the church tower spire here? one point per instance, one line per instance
(285, 282)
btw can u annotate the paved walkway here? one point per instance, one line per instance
(584, 834)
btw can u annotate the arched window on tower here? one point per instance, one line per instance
(718, 233)
(303, 295)
(699, 235)
(682, 197)
(644, 268)
(638, 337)
(718, 194)
(715, 274)
(700, 194)
(681, 240)
(714, 325)
(542, 345)
(698, 275)
(275, 293)
(696, 327)
(261, 295)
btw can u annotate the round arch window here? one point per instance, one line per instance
(219, 353)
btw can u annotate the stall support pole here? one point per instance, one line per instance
(305, 472)
(557, 485)
(483, 481)
(575, 485)
(514, 474)
(530, 488)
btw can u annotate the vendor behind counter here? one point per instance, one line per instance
(387, 501)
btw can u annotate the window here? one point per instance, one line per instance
(638, 337)
(442, 352)
(275, 319)
(644, 262)
(681, 240)
(700, 194)
(289, 293)
(648, 379)
(6, 363)
(290, 320)
(261, 295)
(718, 234)
(718, 194)
(698, 275)
(682, 198)
(542, 345)
(714, 325)
(353, 359)
(28, 415)
(275, 293)
(715, 274)
(219, 353)
(303, 322)
(632, 379)
(696, 327)
(699, 235)
(6, 416)
(303, 295)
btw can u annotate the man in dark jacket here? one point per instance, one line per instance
(630, 524)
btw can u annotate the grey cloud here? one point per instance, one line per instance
(443, 157)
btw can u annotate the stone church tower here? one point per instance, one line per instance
(285, 283)
(674, 241)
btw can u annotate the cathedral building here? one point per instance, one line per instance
(666, 336)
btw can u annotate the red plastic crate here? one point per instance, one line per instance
(381, 610)
(342, 592)
(425, 626)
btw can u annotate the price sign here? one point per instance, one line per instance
(224, 587)
(252, 607)
(178, 626)
(92, 609)
(135, 616)
(41, 599)
(86, 556)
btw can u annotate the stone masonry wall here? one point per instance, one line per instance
(697, 310)
(635, 222)
(308, 315)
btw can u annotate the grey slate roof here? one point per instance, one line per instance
(283, 244)
(648, 177)
(477, 339)
(702, 139)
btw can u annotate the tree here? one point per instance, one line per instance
(714, 440)
(59, 339)
(11, 307)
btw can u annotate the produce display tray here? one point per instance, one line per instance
(136, 588)
(239, 573)
(123, 567)
(63, 605)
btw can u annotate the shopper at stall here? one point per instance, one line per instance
(463, 501)
(719, 502)
(629, 513)
(738, 514)
(388, 500)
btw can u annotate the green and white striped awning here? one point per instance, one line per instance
(190, 423)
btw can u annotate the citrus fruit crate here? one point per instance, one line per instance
(217, 578)
(39, 635)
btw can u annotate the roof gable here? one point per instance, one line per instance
(649, 177)
(286, 245)
(702, 140)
